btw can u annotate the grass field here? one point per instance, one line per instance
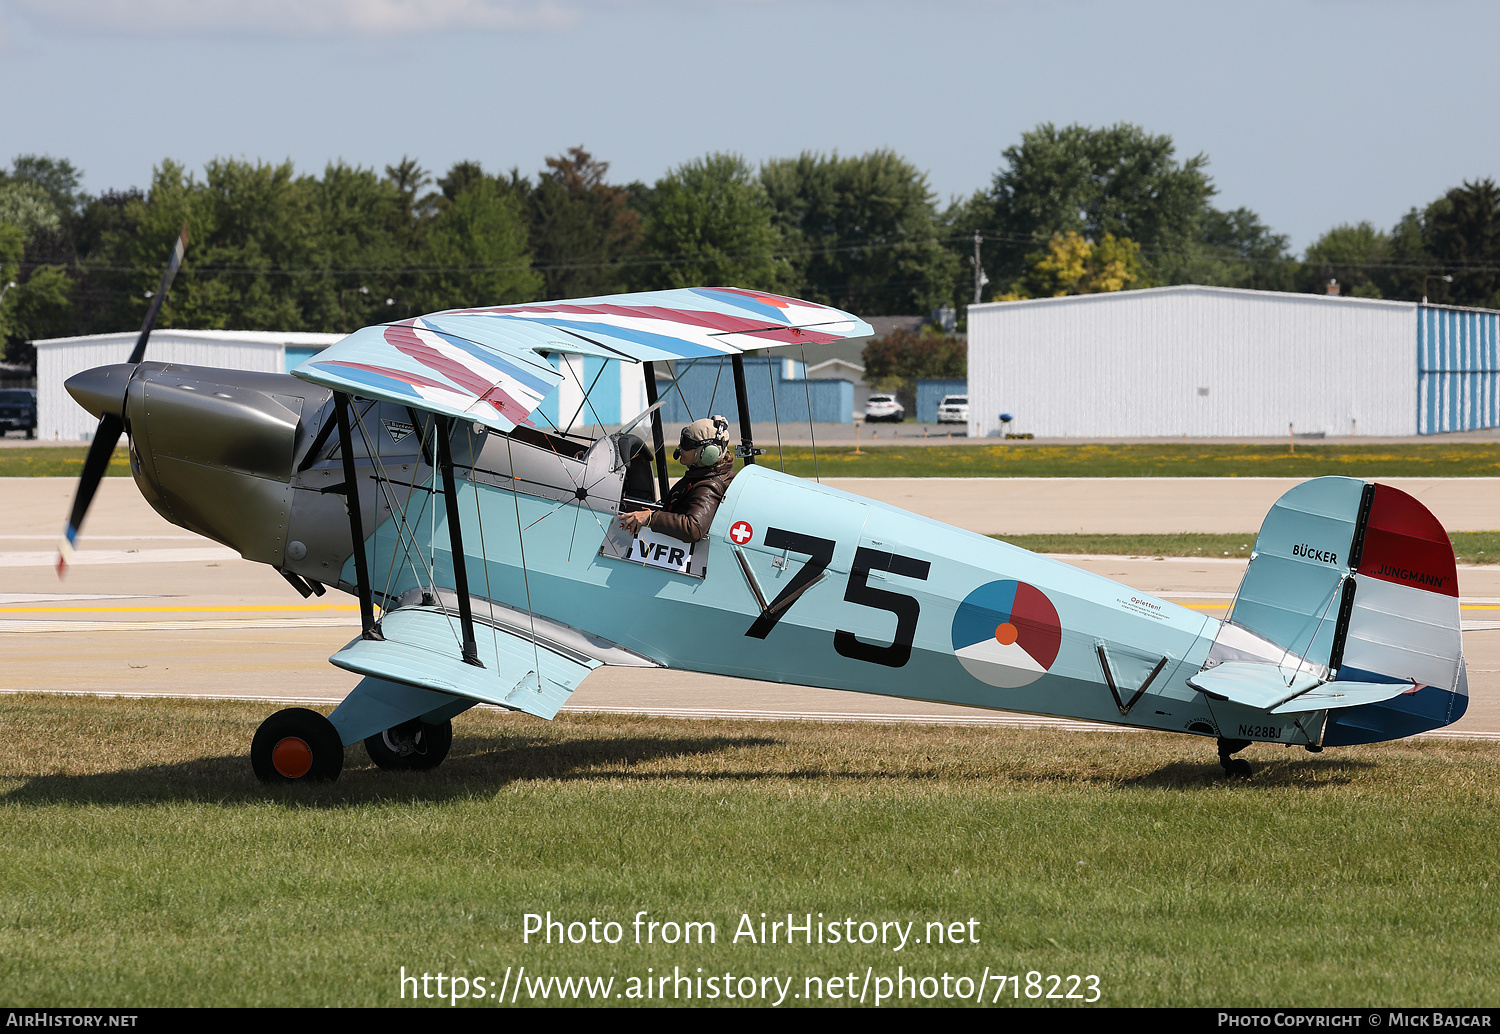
(1023, 459)
(56, 461)
(142, 865)
(1470, 547)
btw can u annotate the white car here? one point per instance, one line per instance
(884, 407)
(954, 409)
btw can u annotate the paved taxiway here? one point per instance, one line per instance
(150, 609)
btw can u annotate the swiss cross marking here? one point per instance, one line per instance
(741, 533)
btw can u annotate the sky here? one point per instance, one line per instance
(1311, 112)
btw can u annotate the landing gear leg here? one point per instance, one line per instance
(412, 746)
(1234, 768)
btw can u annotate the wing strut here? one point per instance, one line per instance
(456, 541)
(747, 439)
(369, 629)
(657, 438)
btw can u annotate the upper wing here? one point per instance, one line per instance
(486, 364)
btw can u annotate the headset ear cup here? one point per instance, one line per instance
(710, 454)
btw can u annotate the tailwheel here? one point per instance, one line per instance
(1234, 768)
(296, 746)
(413, 746)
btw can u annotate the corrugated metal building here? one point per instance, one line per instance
(775, 388)
(57, 359)
(1222, 362)
(1456, 366)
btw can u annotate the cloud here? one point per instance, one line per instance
(292, 18)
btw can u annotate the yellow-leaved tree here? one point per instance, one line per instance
(1072, 264)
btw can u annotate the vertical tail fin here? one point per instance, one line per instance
(1356, 582)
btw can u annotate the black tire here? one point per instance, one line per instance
(412, 746)
(1238, 768)
(311, 751)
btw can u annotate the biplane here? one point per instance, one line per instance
(408, 466)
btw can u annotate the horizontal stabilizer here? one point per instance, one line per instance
(1279, 691)
(1332, 695)
(422, 648)
(1263, 686)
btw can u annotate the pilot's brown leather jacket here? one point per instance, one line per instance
(693, 501)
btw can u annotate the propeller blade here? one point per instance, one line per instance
(111, 426)
(94, 466)
(173, 264)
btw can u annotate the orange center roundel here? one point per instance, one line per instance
(1005, 634)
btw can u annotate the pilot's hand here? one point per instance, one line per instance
(635, 521)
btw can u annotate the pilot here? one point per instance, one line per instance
(691, 504)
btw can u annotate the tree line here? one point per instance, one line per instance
(1071, 210)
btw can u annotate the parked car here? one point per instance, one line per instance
(18, 411)
(954, 409)
(884, 407)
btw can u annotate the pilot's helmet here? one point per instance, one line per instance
(711, 435)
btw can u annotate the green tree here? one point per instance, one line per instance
(270, 250)
(1353, 255)
(56, 176)
(461, 177)
(352, 210)
(37, 307)
(12, 246)
(1463, 237)
(1230, 249)
(864, 232)
(1118, 180)
(582, 228)
(28, 206)
(477, 249)
(1456, 235)
(708, 223)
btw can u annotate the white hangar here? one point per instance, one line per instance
(1222, 362)
(59, 418)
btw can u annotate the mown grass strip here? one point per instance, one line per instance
(144, 866)
(56, 461)
(1021, 459)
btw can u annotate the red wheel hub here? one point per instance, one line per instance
(292, 757)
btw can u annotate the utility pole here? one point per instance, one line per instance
(979, 278)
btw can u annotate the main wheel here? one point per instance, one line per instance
(412, 746)
(296, 746)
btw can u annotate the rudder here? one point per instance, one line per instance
(1355, 582)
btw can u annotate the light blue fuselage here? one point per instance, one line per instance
(701, 624)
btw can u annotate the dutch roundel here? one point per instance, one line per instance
(1006, 634)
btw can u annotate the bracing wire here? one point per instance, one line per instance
(525, 574)
(1337, 594)
(775, 414)
(807, 391)
(384, 481)
(713, 396)
(587, 393)
(678, 386)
